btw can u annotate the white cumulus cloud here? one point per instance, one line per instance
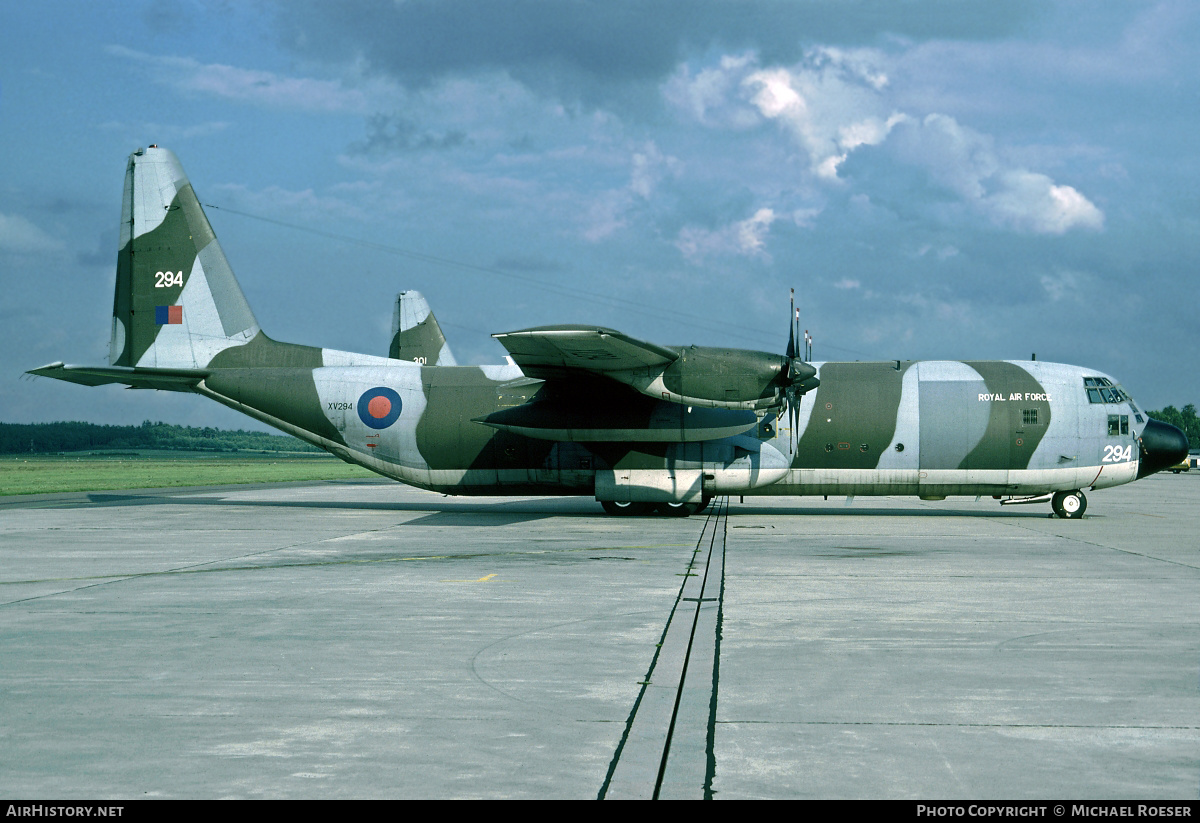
(744, 237)
(264, 88)
(830, 108)
(835, 102)
(967, 163)
(20, 236)
(611, 210)
(831, 102)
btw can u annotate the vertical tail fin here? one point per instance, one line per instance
(416, 335)
(177, 303)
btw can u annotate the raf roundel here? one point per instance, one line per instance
(379, 407)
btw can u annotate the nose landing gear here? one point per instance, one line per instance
(1069, 505)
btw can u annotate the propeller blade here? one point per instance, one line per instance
(795, 412)
(791, 348)
(800, 377)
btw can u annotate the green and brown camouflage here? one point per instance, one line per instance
(587, 410)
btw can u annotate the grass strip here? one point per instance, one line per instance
(35, 474)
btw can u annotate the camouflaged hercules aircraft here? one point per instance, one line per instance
(586, 410)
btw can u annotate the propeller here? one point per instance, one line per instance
(801, 377)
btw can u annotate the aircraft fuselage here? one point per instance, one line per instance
(928, 428)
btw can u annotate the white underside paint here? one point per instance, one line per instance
(949, 482)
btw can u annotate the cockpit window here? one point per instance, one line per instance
(1118, 424)
(1101, 390)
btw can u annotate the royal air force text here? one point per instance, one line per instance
(1000, 397)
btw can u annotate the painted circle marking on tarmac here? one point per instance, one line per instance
(379, 407)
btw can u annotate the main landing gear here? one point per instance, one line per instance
(1069, 505)
(638, 509)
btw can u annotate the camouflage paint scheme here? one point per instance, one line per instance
(590, 411)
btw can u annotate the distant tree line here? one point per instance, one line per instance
(1185, 420)
(51, 438)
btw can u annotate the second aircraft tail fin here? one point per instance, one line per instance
(416, 335)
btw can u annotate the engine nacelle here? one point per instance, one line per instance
(723, 378)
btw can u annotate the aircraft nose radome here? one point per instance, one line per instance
(1163, 445)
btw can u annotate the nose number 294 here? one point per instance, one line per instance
(1117, 454)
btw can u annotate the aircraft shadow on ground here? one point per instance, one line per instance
(477, 513)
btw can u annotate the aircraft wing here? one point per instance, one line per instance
(560, 351)
(679, 395)
(690, 376)
(603, 386)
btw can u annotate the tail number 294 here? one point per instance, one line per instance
(166, 279)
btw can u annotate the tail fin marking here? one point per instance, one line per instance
(169, 257)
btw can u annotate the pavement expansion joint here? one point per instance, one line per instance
(667, 749)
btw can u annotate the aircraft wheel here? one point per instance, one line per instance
(625, 509)
(679, 509)
(1069, 505)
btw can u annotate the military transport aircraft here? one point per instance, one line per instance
(586, 410)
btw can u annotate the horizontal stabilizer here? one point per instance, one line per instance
(134, 377)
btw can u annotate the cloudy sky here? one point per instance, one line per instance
(937, 179)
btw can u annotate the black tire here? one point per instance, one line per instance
(625, 509)
(679, 509)
(1069, 505)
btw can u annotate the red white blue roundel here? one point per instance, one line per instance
(379, 407)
